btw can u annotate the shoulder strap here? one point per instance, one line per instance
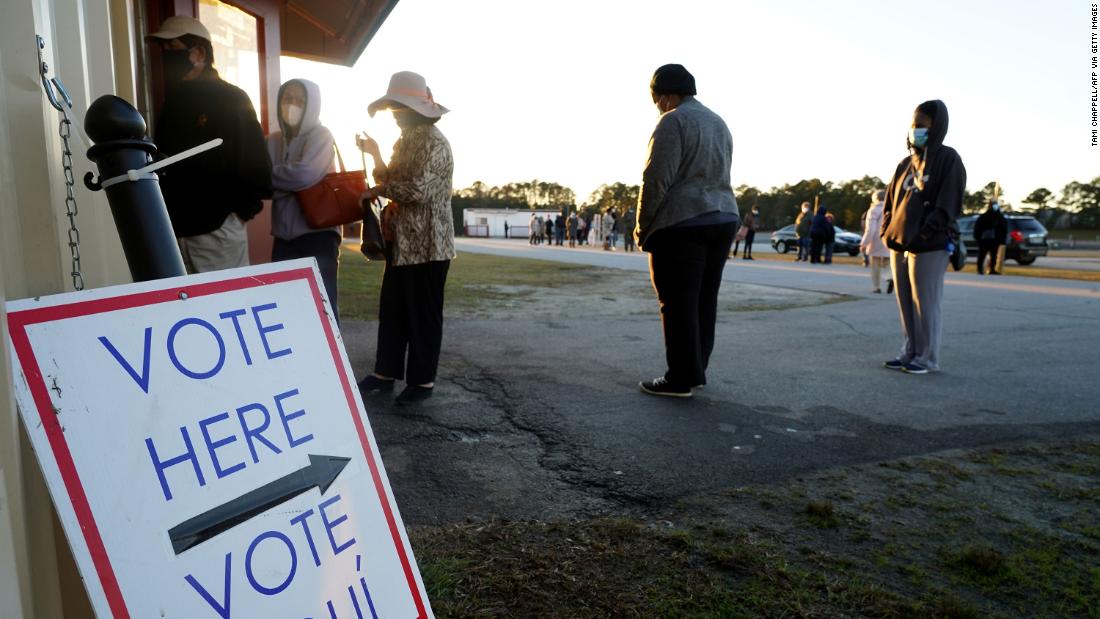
(338, 157)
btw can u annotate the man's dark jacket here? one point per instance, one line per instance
(203, 190)
(995, 224)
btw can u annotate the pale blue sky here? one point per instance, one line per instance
(559, 91)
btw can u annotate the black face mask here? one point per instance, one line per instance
(177, 63)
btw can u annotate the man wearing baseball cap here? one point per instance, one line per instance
(211, 195)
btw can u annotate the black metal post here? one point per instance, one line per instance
(141, 217)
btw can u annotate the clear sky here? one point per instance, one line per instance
(559, 90)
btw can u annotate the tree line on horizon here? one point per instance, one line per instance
(1078, 205)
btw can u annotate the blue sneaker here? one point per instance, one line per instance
(896, 364)
(913, 368)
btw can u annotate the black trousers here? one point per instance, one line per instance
(816, 245)
(987, 248)
(410, 320)
(750, 236)
(686, 267)
(325, 247)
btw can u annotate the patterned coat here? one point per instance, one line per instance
(418, 183)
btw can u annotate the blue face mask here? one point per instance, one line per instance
(918, 136)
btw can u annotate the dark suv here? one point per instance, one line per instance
(1027, 238)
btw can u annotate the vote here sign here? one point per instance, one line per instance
(207, 451)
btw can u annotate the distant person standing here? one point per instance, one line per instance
(923, 201)
(872, 246)
(209, 196)
(819, 233)
(549, 223)
(830, 239)
(629, 220)
(614, 215)
(990, 231)
(687, 217)
(750, 224)
(506, 229)
(571, 228)
(533, 230)
(559, 230)
(607, 231)
(582, 230)
(802, 232)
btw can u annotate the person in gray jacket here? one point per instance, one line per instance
(687, 218)
(301, 155)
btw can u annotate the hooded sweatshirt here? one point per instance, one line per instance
(921, 220)
(298, 163)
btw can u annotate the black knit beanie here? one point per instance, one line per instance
(672, 79)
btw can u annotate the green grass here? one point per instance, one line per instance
(474, 281)
(1080, 235)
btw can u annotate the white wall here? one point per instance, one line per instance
(496, 218)
(37, 575)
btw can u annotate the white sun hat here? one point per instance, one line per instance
(178, 25)
(411, 90)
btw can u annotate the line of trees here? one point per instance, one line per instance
(1077, 206)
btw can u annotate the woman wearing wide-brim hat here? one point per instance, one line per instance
(417, 181)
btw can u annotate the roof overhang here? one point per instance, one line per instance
(333, 31)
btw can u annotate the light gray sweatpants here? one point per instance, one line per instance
(918, 284)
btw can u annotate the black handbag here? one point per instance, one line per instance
(372, 243)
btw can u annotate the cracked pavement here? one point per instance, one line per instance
(540, 416)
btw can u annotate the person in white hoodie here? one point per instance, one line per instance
(872, 245)
(301, 155)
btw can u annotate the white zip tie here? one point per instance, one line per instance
(146, 173)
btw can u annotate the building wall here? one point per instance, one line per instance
(37, 573)
(518, 221)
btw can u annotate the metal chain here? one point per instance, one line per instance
(64, 129)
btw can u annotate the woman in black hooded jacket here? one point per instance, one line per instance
(923, 201)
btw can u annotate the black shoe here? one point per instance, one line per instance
(660, 386)
(889, 286)
(894, 364)
(913, 368)
(372, 385)
(413, 394)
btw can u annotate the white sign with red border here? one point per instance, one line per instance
(208, 452)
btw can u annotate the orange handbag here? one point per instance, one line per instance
(335, 200)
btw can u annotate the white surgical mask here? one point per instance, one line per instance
(996, 206)
(293, 115)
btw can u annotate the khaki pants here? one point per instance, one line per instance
(224, 248)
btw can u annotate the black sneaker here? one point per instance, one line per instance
(889, 286)
(372, 385)
(913, 368)
(660, 386)
(413, 394)
(895, 364)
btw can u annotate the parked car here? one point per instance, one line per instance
(1027, 238)
(784, 240)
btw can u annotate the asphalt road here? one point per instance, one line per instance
(543, 418)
